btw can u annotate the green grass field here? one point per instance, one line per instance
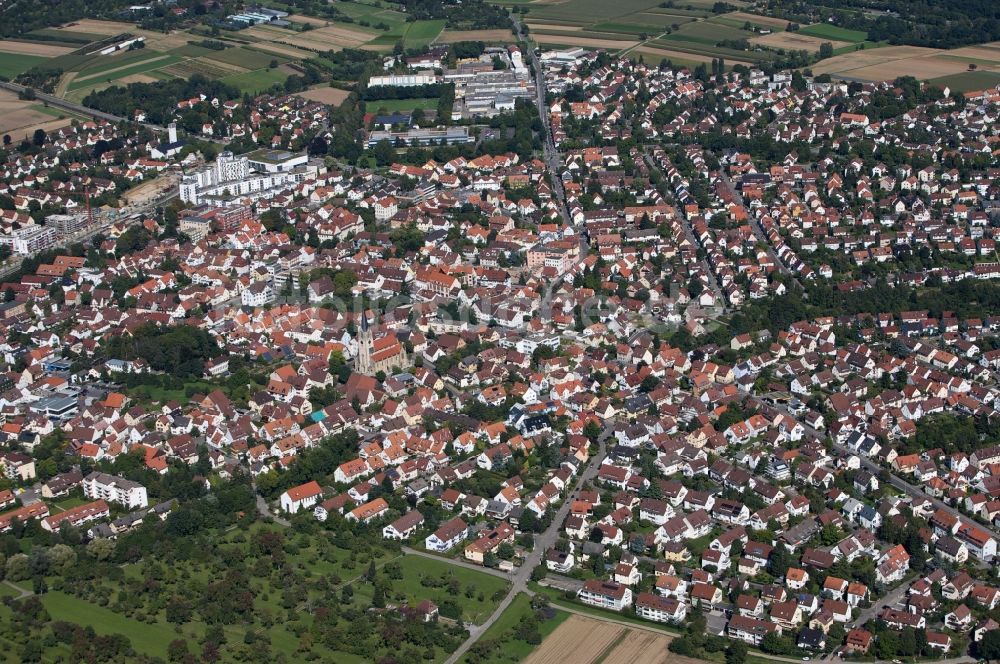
(244, 57)
(97, 79)
(514, 650)
(421, 33)
(12, 64)
(256, 81)
(590, 11)
(393, 105)
(149, 639)
(833, 32)
(473, 608)
(967, 81)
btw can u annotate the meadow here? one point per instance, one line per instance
(12, 64)
(285, 580)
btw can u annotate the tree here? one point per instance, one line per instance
(384, 153)
(887, 645)
(825, 50)
(177, 650)
(592, 430)
(736, 653)
(39, 137)
(989, 647)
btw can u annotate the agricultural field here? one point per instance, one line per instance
(413, 35)
(325, 95)
(589, 641)
(495, 35)
(20, 118)
(12, 64)
(968, 81)
(890, 62)
(796, 41)
(832, 32)
(256, 81)
(254, 60)
(685, 34)
(43, 50)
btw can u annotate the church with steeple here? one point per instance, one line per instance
(382, 352)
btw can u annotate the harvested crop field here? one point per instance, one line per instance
(756, 18)
(584, 640)
(579, 640)
(332, 96)
(680, 57)
(924, 63)
(21, 118)
(286, 51)
(31, 48)
(319, 39)
(869, 57)
(308, 20)
(95, 26)
(498, 35)
(554, 26)
(641, 648)
(338, 36)
(136, 78)
(796, 41)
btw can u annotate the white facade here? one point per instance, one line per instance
(234, 178)
(402, 80)
(131, 495)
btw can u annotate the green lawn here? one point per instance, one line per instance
(833, 32)
(393, 105)
(256, 81)
(7, 591)
(966, 81)
(12, 64)
(514, 650)
(243, 57)
(141, 67)
(150, 639)
(67, 503)
(421, 33)
(473, 608)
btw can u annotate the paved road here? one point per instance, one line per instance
(79, 109)
(21, 592)
(458, 563)
(714, 282)
(910, 490)
(755, 226)
(265, 510)
(543, 542)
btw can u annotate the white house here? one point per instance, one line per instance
(299, 497)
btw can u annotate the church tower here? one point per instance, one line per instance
(363, 364)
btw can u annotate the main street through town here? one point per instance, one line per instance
(543, 542)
